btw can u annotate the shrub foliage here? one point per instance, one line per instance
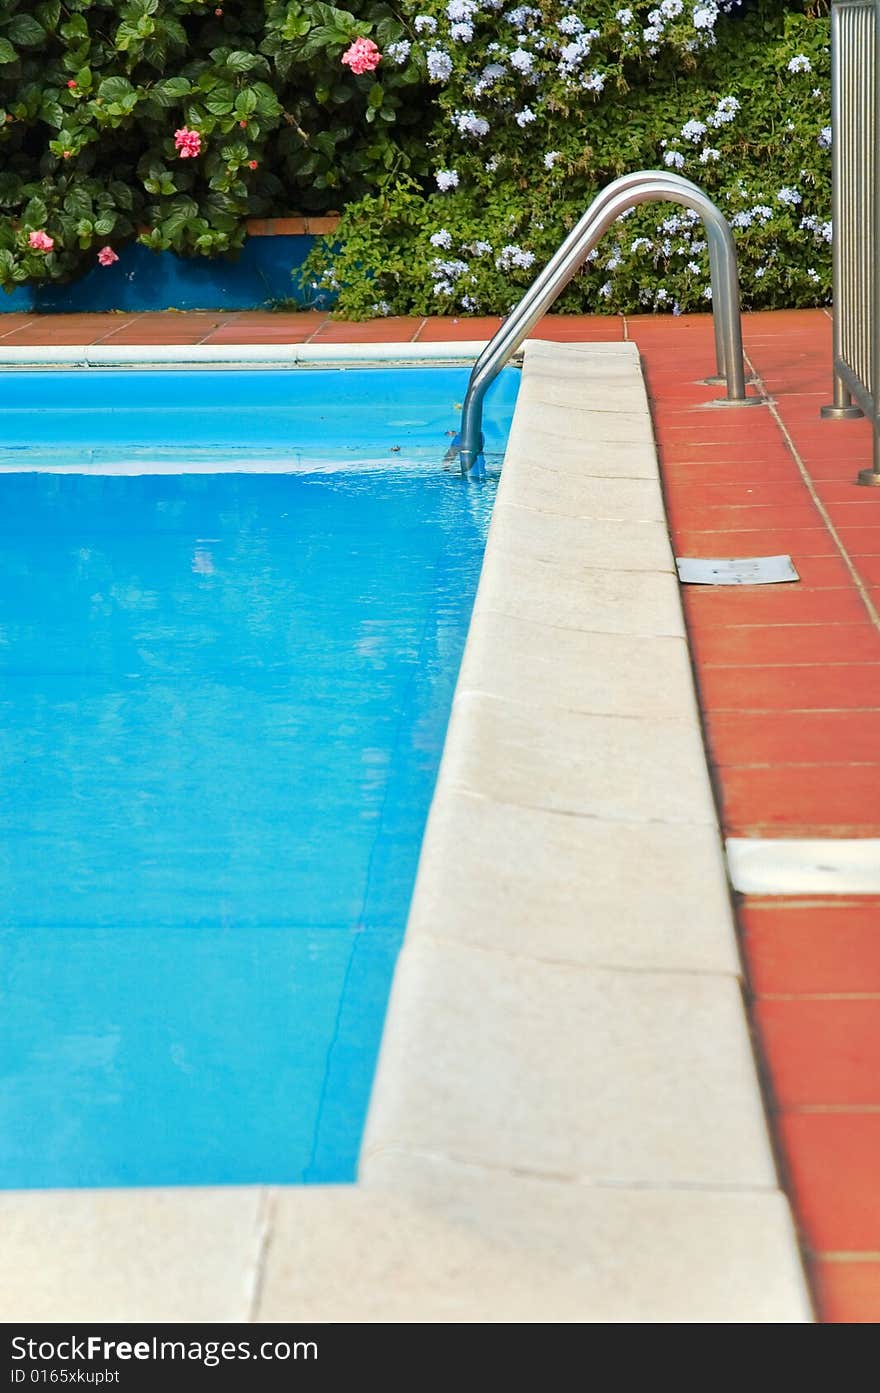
(540, 105)
(92, 93)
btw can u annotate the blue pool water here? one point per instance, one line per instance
(223, 697)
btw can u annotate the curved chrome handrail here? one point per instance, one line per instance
(627, 192)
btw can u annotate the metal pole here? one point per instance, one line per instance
(872, 476)
(645, 186)
(841, 408)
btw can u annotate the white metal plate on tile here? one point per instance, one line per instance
(795, 866)
(738, 570)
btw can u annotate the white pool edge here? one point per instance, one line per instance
(237, 355)
(566, 1122)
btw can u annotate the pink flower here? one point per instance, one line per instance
(107, 256)
(40, 242)
(188, 142)
(71, 83)
(252, 164)
(363, 56)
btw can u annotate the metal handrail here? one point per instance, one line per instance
(625, 193)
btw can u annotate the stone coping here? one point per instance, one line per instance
(566, 1122)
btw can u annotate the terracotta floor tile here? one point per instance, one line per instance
(844, 491)
(821, 1053)
(772, 604)
(686, 465)
(797, 946)
(248, 337)
(868, 568)
(795, 688)
(833, 1160)
(579, 329)
(801, 800)
(782, 644)
(858, 541)
(446, 330)
(775, 737)
(691, 516)
(740, 493)
(797, 542)
(397, 330)
(847, 1293)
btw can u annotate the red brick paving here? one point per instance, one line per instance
(789, 685)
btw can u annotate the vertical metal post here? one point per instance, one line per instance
(841, 408)
(871, 476)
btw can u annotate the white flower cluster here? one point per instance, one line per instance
(439, 64)
(522, 60)
(469, 123)
(724, 113)
(693, 131)
(398, 52)
(488, 77)
(514, 256)
(446, 179)
(800, 64)
(822, 231)
(759, 214)
(523, 17)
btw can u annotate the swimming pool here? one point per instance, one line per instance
(226, 665)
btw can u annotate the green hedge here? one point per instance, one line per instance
(92, 93)
(539, 106)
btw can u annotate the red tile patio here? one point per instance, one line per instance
(789, 685)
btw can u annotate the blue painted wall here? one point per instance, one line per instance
(258, 276)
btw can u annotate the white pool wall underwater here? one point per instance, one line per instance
(566, 1123)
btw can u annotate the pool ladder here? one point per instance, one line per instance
(646, 186)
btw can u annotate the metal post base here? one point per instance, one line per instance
(739, 401)
(869, 478)
(840, 413)
(719, 381)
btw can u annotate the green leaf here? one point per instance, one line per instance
(115, 89)
(170, 91)
(10, 189)
(77, 202)
(51, 112)
(246, 102)
(49, 14)
(24, 29)
(241, 62)
(7, 52)
(218, 105)
(35, 213)
(75, 28)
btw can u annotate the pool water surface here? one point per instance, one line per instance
(223, 699)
